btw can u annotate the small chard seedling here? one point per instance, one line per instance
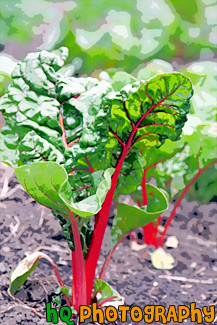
(76, 145)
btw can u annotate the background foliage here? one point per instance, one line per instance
(111, 33)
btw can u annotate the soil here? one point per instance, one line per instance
(26, 227)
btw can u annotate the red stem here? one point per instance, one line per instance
(172, 215)
(81, 188)
(96, 219)
(89, 165)
(63, 131)
(116, 136)
(148, 230)
(155, 243)
(56, 271)
(100, 225)
(72, 142)
(99, 230)
(148, 234)
(142, 136)
(78, 269)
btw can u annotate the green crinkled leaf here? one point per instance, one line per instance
(35, 118)
(47, 183)
(143, 116)
(54, 106)
(38, 70)
(34, 148)
(152, 124)
(105, 290)
(156, 110)
(86, 122)
(30, 103)
(131, 217)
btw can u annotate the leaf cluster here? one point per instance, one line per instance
(68, 135)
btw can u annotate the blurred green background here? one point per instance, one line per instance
(106, 34)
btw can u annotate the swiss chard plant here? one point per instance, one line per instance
(173, 166)
(185, 172)
(76, 144)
